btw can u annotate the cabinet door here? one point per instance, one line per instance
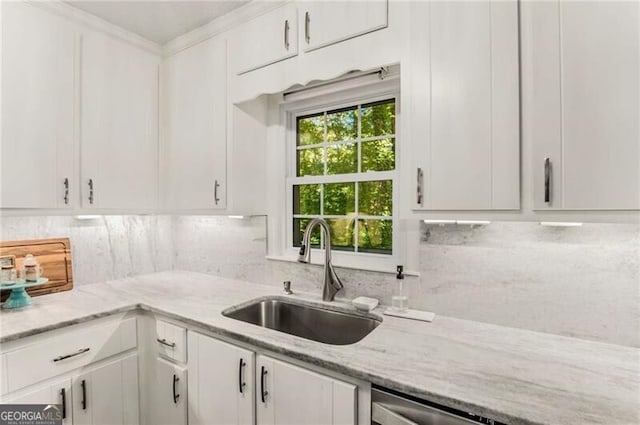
(169, 399)
(264, 40)
(581, 62)
(465, 80)
(119, 136)
(287, 394)
(328, 22)
(36, 154)
(56, 393)
(221, 383)
(108, 394)
(194, 141)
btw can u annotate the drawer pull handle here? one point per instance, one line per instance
(165, 343)
(63, 395)
(263, 392)
(83, 384)
(68, 356)
(241, 383)
(175, 396)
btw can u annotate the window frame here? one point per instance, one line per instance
(344, 98)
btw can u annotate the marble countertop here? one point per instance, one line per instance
(512, 375)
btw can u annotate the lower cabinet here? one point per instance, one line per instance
(221, 384)
(53, 393)
(107, 394)
(169, 394)
(224, 381)
(289, 394)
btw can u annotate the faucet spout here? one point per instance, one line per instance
(332, 283)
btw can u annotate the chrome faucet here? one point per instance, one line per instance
(332, 283)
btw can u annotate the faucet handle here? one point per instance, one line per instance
(287, 287)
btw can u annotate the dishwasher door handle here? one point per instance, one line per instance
(383, 416)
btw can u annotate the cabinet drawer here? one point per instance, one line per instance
(51, 356)
(171, 341)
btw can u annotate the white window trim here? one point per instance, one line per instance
(358, 92)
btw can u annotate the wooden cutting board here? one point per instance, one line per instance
(54, 256)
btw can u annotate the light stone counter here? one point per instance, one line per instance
(515, 376)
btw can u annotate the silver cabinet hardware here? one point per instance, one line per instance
(175, 394)
(241, 383)
(165, 343)
(286, 34)
(68, 356)
(287, 287)
(547, 180)
(419, 183)
(263, 392)
(215, 192)
(307, 22)
(63, 396)
(66, 190)
(83, 403)
(91, 191)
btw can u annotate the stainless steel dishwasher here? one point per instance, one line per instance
(392, 408)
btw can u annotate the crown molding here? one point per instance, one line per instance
(222, 24)
(83, 18)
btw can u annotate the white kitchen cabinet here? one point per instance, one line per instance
(327, 22)
(266, 39)
(194, 111)
(288, 394)
(221, 384)
(38, 71)
(58, 392)
(581, 103)
(465, 105)
(169, 399)
(119, 124)
(107, 394)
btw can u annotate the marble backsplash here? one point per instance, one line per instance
(103, 248)
(575, 281)
(582, 282)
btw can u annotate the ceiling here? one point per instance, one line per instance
(158, 20)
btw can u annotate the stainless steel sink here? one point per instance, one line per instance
(315, 323)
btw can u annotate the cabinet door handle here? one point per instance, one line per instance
(286, 34)
(90, 191)
(263, 392)
(165, 343)
(307, 23)
(66, 190)
(215, 192)
(68, 356)
(419, 183)
(175, 395)
(63, 395)
(83, 402)
(241, 384)
(547, 180)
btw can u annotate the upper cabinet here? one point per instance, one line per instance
(465, 105)
(38, 72)
(328, 22)
(581, 103)
(266, 39)
(119, 124)
(194, 123)
(276, 35)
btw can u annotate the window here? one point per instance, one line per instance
(343, 170)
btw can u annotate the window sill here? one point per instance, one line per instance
(368, 265)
